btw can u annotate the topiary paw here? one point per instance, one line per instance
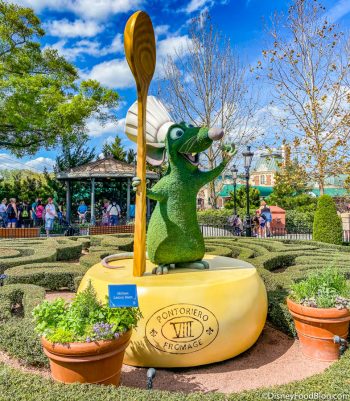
(161, 269)
(136, 181)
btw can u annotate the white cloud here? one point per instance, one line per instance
(96, 129)
(8, 162)
(113, 74)
(73, 29)
(86, 9)
(338, 11)
(195, 5)
(40, 163)
(88, 47)
(172, 45)
(116, 73)
(161, 30)
(117, 45)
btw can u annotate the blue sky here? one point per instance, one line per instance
(89, 34)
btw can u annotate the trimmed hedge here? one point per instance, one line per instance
(27, 296)
(68, 249)
(123, 244)
(52, 276)
(93, 258)
(327, 224)
(38, 254)
(17, 334)
(96, 240)
(28, 251)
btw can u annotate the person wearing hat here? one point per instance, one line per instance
(50, 214)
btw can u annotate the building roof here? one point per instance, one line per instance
(266, 163)
(266, 191)
(102, 168)
(331, 191)
(226, 189)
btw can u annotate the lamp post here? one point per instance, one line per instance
(248, 156)
(234, 171)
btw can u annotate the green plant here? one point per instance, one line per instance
(326, 288)
(299, 221)
(53, 276)
(214, 216)
(84, 319)
(327, 224)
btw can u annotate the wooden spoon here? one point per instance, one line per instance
(140, 51)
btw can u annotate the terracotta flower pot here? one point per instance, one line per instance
(97, 362)
(316, 328)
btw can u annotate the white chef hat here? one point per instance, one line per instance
(158, 122)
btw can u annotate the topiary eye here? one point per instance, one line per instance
(176, 133)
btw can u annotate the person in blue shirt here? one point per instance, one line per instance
(82, 210)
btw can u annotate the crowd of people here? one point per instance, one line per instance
(15, 214)
(260, 223)
(108, 212)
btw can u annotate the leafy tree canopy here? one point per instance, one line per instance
(41, 101)
(73, 156)
(241, 196)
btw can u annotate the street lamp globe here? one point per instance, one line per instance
(234, 171)
(248, 157)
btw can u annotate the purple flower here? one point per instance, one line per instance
(88, 340)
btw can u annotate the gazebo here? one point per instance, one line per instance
(102, 170)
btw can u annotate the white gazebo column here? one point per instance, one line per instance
(68, 206)
(92, 219)
(128, 201)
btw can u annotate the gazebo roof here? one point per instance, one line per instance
(102, 168)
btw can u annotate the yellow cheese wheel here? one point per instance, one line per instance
(190, 317)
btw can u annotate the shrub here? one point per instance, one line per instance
(68, 249)
(327, 224)
(52, 276)
(299, 222)
(22, 295)
(123, 244)
(35, 254)
(214, 216)
(17, 334)
(95, 257)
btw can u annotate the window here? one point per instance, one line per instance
(262, 180)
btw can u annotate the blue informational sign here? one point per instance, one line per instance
(123, 296)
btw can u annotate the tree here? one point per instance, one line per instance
(115, 149)
(241, 196)
(74, 155)
(327, 224)
(42, 102)
(347, 184)
(26, 185)
(205, 84)
(308, 68)
(131, 156)
(291, 183)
